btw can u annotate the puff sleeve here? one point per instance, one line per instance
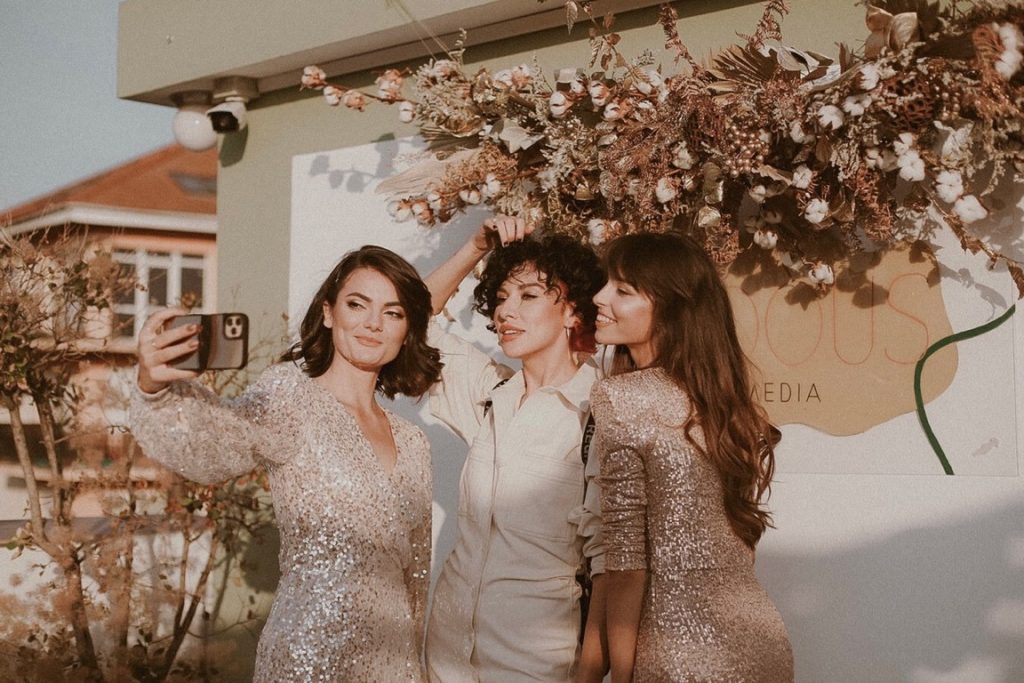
(467, 379)
(207, 439)
(622, 481)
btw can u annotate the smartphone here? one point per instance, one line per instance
(223, 342)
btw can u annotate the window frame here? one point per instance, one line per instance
(144, 257)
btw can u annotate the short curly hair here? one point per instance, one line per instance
(559, 260)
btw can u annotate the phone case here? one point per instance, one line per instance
(223, 342)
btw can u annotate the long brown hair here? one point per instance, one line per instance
(417, 366)
(695, 342)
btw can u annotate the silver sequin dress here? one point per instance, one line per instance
(705, 617)
(355, 539)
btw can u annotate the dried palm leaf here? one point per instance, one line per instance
(422, 176)
(738, 67)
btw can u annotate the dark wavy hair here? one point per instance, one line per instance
(558, 260)
(695, 342)
(417, 365)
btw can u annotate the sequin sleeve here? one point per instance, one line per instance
(207, 439)
(622, 481)
(467, 378)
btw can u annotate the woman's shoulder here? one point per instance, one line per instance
(635, 394)
(282, 376)
(637, 384)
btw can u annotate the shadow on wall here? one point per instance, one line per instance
(447, 454)
(932, 605)
(354, 180)
(448, 451)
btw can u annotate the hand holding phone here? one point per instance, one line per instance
(223, 341)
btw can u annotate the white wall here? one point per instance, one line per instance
(879, 577)
(915, 577)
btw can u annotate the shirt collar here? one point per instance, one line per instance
(575, 391)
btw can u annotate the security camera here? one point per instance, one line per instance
(227, 117)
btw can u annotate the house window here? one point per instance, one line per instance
(167, 278)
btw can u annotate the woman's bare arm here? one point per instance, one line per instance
(594, 655)
(625, 599)
(445, 279)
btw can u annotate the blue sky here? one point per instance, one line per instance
(60, 119)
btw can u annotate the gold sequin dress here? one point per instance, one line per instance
(355, 539)
(705, 617)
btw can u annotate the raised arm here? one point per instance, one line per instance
(445, 279)
(187, 428)
(468, 375)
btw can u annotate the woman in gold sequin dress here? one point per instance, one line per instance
(350, 482)
(685, 460)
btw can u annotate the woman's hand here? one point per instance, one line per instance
(594, 664)
(159, 346)
(624, 606)
(501, 230)
(445, 279)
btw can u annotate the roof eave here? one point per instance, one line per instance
(81, 213)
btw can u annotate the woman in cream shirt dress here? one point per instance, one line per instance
(506, 606)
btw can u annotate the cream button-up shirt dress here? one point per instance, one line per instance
(506, 606)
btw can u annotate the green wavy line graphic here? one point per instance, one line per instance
(946, 341)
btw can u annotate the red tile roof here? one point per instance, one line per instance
(169, 179)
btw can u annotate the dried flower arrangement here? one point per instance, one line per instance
(764, 147)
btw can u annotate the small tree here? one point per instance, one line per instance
(113, 615)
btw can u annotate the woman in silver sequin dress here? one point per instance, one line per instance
(685, 461)
(350, 482)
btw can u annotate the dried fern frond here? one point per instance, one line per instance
(668, 18)
(770, 25)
